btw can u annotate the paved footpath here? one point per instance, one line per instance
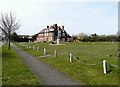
(47, 74)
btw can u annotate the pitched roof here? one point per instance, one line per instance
(54, 26)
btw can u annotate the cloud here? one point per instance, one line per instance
(77, 16)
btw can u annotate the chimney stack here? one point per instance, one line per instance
(59, 27)
(56, 27)
(47, 26)
(63, 27)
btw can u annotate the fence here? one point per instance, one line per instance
(104, 62)
(71, 57)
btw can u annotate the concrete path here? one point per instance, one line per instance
(47, 74)
(0, 44)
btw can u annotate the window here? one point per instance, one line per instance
(45, 34)
(45, 30)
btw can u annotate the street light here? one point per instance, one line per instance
(58, 39)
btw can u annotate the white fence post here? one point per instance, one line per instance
(58, 40)
(30, 47)
(33, 48)
(55, 54)
(70, 57)
(38, 49)
(44, 50)
(27, 46)
(104, 67)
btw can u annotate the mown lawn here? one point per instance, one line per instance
(86, 52)
(14, 71)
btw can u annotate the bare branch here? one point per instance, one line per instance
(8, 23)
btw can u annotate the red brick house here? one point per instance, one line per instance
(51, 33)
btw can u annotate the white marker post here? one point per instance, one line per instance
(55, 54)
(37, 49)
(70, 57)
(44, 50)
(58, 40)
(104, 67)
(27, 46)
(33, 48)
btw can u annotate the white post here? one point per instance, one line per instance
(37, 49)
(58, 37)
(70, 57)
(55, 54)
(58, 41)
(33, 48)
(104, 67)
(44, 50)
(27, 46)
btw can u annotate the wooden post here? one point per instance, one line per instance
(27, 46)
(55, 54)
(70, 57)
(58, 40)
(44, 50)
(37, 49)
(104, 67)
(33, 48)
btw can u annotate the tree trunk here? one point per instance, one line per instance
(9, 44)
(9, 40)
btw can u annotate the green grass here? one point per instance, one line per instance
(14, 71)
(89, 53)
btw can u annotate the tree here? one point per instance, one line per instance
(8, 25)
(81, 36)
(94, 37)
(14, 37)
(74, 37)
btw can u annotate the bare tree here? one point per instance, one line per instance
(8, 25)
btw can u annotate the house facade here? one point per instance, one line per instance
(51, 33)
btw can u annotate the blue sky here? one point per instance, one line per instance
(77, 16)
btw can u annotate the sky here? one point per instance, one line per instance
(77, 16)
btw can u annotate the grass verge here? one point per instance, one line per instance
(14, 71)
(88, 53)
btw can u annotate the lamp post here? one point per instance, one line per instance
(58, 39)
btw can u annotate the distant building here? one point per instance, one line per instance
(24, 38)
(51, 33)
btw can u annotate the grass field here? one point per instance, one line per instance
(87, 53)
(14, 71)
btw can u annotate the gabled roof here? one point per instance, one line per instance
(54, 26)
